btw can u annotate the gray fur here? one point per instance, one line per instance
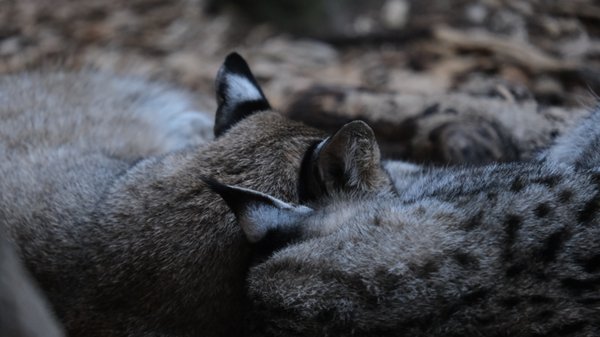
(579, 147)
(23, 310)
(103, 198)
(501, 250)
(127, 118)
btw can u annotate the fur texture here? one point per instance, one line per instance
(500, 250)
(579, 147)
(127, 118)
(102, 194)
(23, 310)
(459, 128)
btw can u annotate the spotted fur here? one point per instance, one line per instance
(500, 250)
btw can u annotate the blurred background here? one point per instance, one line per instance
(440, 81)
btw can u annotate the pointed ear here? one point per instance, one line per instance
(260, 214)
(348, 160)
(238, 94)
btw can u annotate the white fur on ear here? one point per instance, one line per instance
(238, 93)
(321, 144)
(263, 213)
(259, 213)
(240, 89)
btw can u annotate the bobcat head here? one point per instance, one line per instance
(248, 129)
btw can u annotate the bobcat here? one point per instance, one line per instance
(102, 195)
(508, 249)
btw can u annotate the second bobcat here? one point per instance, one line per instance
(507, 249)
(102, 194)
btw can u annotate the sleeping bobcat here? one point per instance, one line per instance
(101, 194)
(507, 249)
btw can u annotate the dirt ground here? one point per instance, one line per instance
(440, 81)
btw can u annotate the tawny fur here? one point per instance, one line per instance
(102, 194)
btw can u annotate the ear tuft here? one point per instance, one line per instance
(238, 93)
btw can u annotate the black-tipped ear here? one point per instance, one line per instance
(238, 94)
(348, 160)
(259, 214)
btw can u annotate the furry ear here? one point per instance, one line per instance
(238, 93)
(348, 160)
(261, 215)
